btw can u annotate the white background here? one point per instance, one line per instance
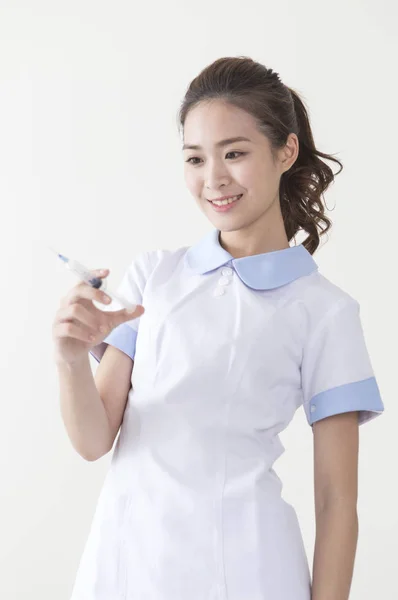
(91, 163)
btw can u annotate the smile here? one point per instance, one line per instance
(227, 201)
(225, 205)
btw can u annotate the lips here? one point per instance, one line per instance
(225, 205)
(225, 200)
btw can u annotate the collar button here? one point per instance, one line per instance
(224, 280)
(219, 291)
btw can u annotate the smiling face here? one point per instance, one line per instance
(247, 168)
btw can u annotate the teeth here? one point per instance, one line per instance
(224, 202)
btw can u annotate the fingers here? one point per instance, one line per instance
(122, 316)
(102, 273)
(115, 318)
(84, 291)
(73, 330)
(78, 313)
(78, 317)
(95, 321)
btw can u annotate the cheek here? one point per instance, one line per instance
(256, 177)
(192, 181)
(246, 175)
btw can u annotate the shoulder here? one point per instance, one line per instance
(149, 262)
(148, 268)
(318, 290)
(320, 299)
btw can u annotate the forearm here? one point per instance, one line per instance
(335, 548)
(82, 410)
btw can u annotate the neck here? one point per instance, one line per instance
(267, 234)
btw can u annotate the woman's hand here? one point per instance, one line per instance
(79, 326)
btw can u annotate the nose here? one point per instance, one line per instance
(216, 175)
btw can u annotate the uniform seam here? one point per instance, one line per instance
(223, 484)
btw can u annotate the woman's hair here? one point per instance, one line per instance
(278, 111)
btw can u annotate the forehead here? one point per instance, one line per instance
(211, 121)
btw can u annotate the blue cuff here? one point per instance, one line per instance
(122, 337)
(363, 396)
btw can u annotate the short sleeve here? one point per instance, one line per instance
(132, 288)
(336, 371)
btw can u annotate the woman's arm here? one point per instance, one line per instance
(336, 485)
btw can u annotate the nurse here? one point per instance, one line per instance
(231, 336)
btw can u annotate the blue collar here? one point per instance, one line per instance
(260, 271)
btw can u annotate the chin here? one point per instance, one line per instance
(228, 225)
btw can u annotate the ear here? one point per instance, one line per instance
(289, 152)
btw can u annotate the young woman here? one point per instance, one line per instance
(239, 330)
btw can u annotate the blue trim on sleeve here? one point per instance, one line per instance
(122, 337)
(363, 396)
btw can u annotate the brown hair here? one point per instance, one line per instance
(278, 110)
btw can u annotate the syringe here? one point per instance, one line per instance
(87, 276)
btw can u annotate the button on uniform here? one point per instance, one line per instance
(219, 291)
(225, 279)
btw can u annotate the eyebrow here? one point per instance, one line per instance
(219, 144)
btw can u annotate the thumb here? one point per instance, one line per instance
(122, 316)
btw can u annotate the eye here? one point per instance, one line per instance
(240, 153)
(196, 158)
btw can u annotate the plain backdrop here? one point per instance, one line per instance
(91, 163)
